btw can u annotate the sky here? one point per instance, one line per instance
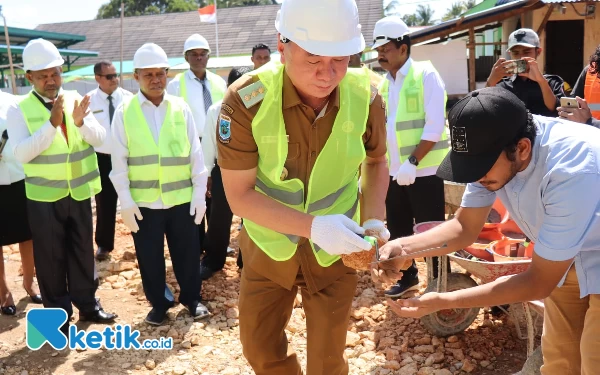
(30, 13)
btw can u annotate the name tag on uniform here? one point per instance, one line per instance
(98, 111)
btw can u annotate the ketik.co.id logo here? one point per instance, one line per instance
(43, 326)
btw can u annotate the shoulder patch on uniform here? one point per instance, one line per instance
(227, 108)
(373, 94)
(224, 129)
(252, 94)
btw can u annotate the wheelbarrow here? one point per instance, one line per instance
(452, 321)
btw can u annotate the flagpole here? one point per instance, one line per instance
(217, 28)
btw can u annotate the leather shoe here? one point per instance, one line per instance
(156, 316)
(205, 272)
(102, 254)
(35, 298)
(98, 316)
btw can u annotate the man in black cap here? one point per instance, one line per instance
(541, 93)
(546, 172)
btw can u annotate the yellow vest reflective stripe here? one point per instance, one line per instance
(62, 169)
(333, 184)
(410, 117)
(158, 171)
(216, 87)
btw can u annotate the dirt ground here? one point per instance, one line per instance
(379, 342)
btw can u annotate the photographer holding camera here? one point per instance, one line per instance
(541, 93)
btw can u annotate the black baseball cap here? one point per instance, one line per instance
(482, 124)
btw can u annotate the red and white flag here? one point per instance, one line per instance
(208, 14)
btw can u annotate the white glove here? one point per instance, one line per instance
(129, 214)
(336, 235)
(377, 226)
(406, 174)
(198, 208)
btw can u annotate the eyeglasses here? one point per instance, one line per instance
(109, 77)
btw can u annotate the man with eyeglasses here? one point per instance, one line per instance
(200, 88)
(416, 138)
(104, 100)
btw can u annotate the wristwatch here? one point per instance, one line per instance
(413, 160)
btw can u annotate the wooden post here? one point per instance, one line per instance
(523, 20)
(472, 59)
(542, 26)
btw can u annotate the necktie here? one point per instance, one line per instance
(206, 93)
(111, 109)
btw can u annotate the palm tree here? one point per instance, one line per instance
(425, 15)
(410, 20)
(391, 8)
(469, 4)
(455, 10)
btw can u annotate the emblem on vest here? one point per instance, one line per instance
(347, 127)
(459, 139)
(224, 128)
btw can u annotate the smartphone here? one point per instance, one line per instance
(517, 66)
(568, 102)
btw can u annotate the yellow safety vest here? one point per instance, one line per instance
(215, 85)
(333, 183)
(158, 171)
(62, 168)
(410, 117)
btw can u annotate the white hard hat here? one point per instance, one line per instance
(194, 42)
(321, 27)
(150, 55)
(40, 54)
(388, 29)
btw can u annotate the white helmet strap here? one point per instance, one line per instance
(383, 37)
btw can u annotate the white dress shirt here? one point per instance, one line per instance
(195, 97)
(27, 146)
(99, 107)
(435, 113)
(155, 116)
(11, 170)
(209, 139)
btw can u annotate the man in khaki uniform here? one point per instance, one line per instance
(291, 128)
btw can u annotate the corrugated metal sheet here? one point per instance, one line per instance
(569, 1)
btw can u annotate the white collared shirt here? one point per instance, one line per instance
(99, 108)
(435, 113)
(195, 95)
(155, 116)
(27, 146)
(11, 170)
(209, 139)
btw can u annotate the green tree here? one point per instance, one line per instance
(112, 9)
(470, 4)
(424, 15)
(455, 10)
(410, 20)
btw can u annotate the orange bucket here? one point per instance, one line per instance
(508, 250)
(497, 209)
(478, 249)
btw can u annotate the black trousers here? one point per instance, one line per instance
(106, 206)
(409, 205)
(182, 238)
(63, 252)
(219, 225)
